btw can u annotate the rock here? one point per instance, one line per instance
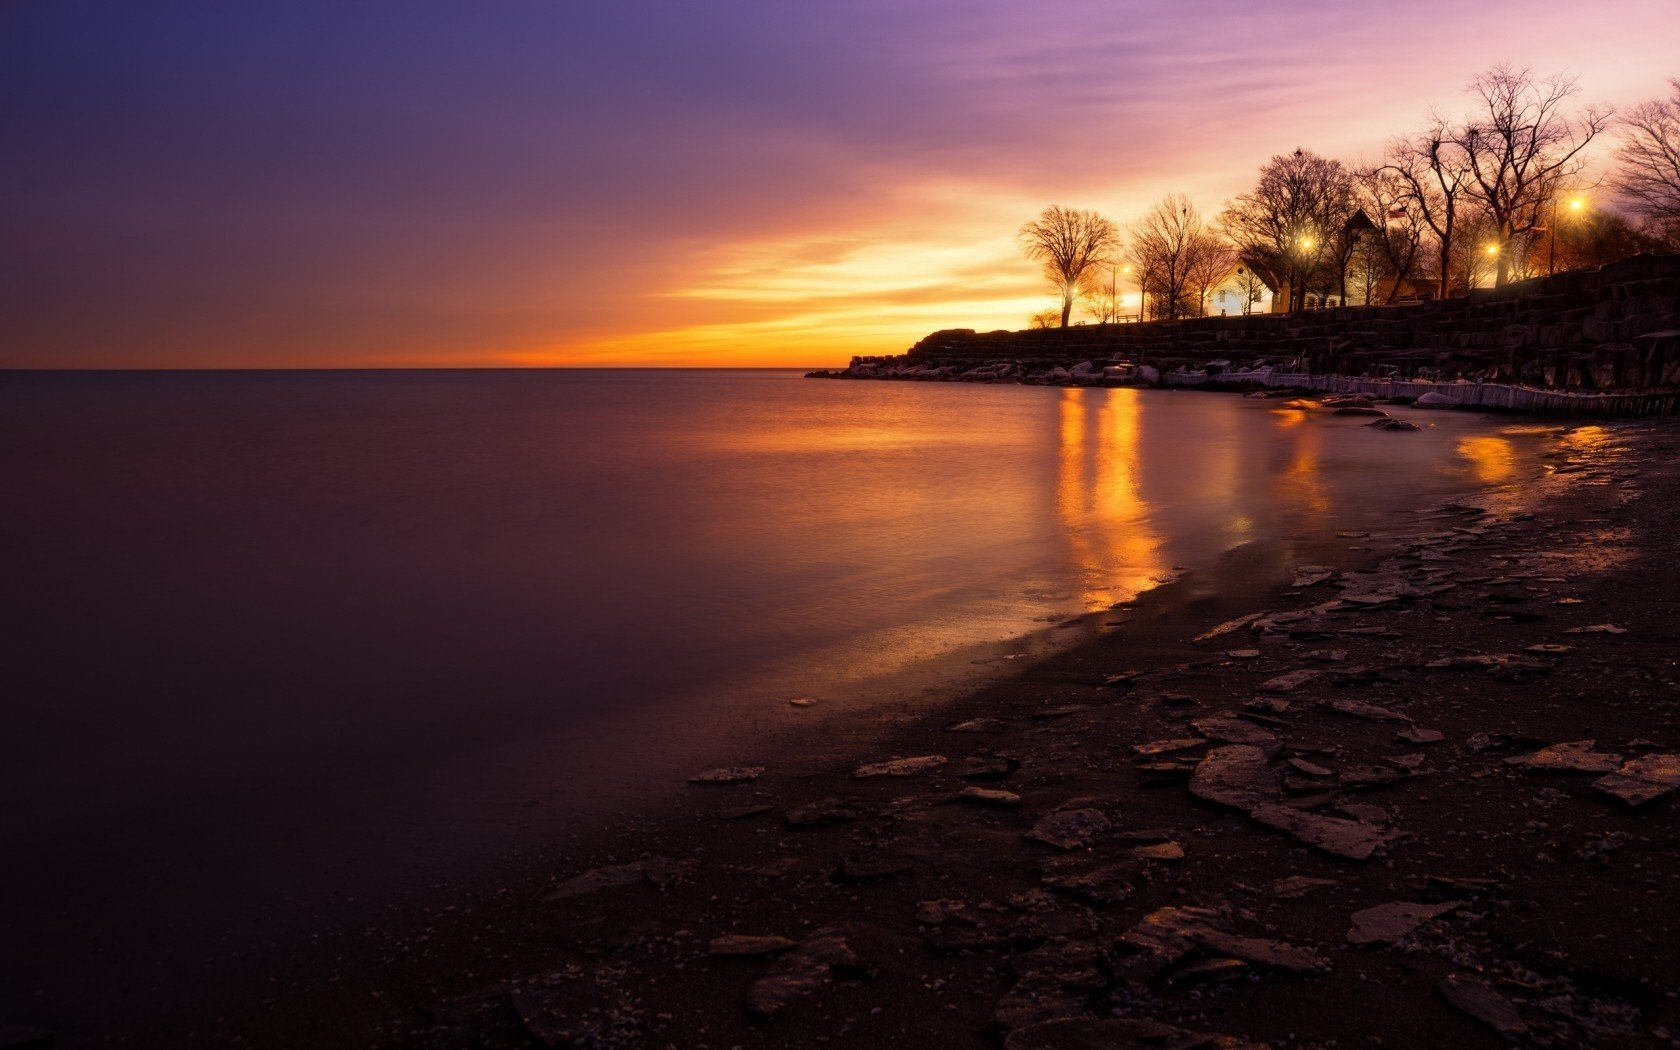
(1288, 683)
(1165, 851)
(988, 797)
(1392, 424)
(1311, 575)
(978, 725)
(1227, 627)
(1050, 713)
(1054, 981)
(1387, 923)
(742, 945)
(1597, 628)
(1575, 757)
(1550, 648)
(1349, 839)
(802, 701)
(727, 775)
(1643, 780)
(1434, 400)
(751, 809)
(1297, 886)
(1415, 735)
(1243, 654)
(1166, 935)
(1361, 709)
(1358, 410)
(607, 878)
(801, 971)
(1164, 747)
(1082, 1033)
(899, 767)
(822, 811)
(1238, 776)
(1069, 828)
(1099, 884)
(1230, 729)
(1306, 768)
(1478, 999)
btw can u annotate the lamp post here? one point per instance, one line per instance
(1551, 250)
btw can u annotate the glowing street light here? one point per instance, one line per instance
(1575, 206)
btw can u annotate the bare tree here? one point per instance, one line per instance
(1251, 287)
(1043, 319)
(1435, 170)
(1100, 291)
(1289, 222)
(1649, 158)
(1521, 146)
(1067, 243)
(1392, 247)
(1165, 243)
(1211, 261)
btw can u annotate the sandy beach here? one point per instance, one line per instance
(1413, 793)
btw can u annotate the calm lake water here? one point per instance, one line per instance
(283, 635)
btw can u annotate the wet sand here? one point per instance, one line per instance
(1165, 831)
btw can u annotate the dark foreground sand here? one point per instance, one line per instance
(1323, 826)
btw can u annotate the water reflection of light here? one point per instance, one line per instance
(1492, 458)
(1300, 483)
(1105, 519)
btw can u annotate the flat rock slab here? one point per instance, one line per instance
(1643, 780)
(823, 811)
(1387, 923)
(1167, 747)
(1165, 936)
(1298, 886)
(1055, 981)
(1229, 729)
(1099, 884)
(1227, 627)
(1288, 683)
(899, 767)
(1597, 628)
(1360, 709)
(801, 971)
(1162, 851)
(978, 725)
(1575, 757)
(654, 871)
(1478, 999)
(1069, 828)
(1348, 839)
(743, 945)
(1239, 776)
(728, 775)
(988, 797)
(1416, 735)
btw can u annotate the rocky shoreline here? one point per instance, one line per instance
(1418, 792)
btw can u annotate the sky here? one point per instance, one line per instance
(681, 183)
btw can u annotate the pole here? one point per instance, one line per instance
(1551, 251)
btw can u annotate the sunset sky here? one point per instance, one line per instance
(663, 183)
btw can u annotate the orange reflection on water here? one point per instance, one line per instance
(1301, 483)
(1492, 458)
(1105, 519)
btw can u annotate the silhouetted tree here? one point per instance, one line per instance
(1522, 146)
(1067, 243)
(1435, 171)
(1648, 178)
(1292, 219)
(1165, 245)
(1391, 249)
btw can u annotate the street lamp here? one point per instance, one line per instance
(1575, 205)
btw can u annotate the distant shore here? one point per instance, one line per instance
(1157, 831)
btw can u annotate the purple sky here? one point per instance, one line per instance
(321, 184)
